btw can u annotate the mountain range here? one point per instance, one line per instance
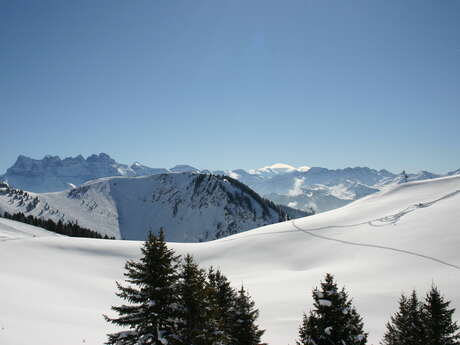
(191, 207)
(303, 188)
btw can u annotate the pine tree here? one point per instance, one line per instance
(437, 320)
(333, 320)
(406, 325)
(244, 329)
(197, 321)
(151, 295)
(223, 298)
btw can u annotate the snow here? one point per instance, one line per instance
(281, 166)
(303, 168)
(359, 337)
(325, 302)
(54, 290)
(310, 187)
(128, 207)
(11, 230)
(297, 187)
(319, 294)
(277, 168)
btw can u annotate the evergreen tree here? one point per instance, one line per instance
(406, 325)
(437, 319)
(333, 320)
(197, 321)
(223, 298)
(151, 295)
(244, 329)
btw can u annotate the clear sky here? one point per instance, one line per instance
(233, 84)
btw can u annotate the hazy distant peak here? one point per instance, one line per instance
(101, 157)
(278, 168)
(183, 168)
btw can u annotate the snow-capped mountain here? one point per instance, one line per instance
(276, 169)
(318, 188)
(405, 237)
(190, 207)
(324, 189)
(180, 168)
(455, 172)
(143, 170)
(321, 197)
(305, 187)
(52, 173)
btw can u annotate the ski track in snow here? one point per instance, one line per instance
(393, 219)
(385, 221)
(376, 246)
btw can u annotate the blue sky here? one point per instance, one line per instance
(233, 84)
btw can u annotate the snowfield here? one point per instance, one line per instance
(54, 290)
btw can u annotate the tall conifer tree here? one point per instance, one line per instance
(151, 296)
(197, 321)
(406, 325)
(224, 297)
(437, 320)
(245, 331)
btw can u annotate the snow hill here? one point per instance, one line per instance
(190, 207)
(55, 289)
(302, 188)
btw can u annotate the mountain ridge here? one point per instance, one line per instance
(190, 206)
(303, 187)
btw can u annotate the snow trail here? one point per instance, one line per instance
(360, 244)
(386, 220)
(393, 219)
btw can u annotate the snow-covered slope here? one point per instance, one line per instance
(54, 289)
(11, 230)
(190, 207)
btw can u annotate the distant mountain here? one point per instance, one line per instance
(183, 168)
(455, 172)
(52, 174)
(191, 207)
(322, 189)
(303, 187)
(318, 188)
(143, 170)
(320, 198)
